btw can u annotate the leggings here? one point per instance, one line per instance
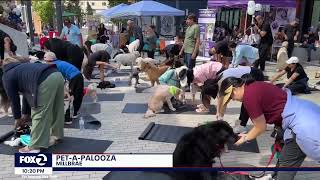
(76, 90)
(244, 116)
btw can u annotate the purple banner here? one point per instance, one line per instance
(207, 13)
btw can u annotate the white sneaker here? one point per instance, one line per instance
(75, 116)
(53, 141)
(240, 129)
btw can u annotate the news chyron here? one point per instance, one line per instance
(33, 164)
(43, 164)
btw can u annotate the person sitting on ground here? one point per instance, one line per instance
(173, 50)
(201, 73)
(243, 51)
(309, 41)
(75, 78)
(221, 52)
(282, 56)
(43, 87)
(100, 58)
(297, 78)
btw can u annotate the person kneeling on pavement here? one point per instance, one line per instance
(297, 78)
(43, 87)
(75, 78)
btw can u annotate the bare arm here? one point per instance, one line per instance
(259, 126)
(278, 76)
(106, 64)
(292, 78)
(196, 48)
(181, 51)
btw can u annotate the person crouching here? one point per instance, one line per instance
(42, 86)
(75, 78)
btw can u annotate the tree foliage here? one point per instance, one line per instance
(89, 9)
(116, 2)
(73, 6)
(45, 10)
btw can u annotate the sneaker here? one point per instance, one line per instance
(68, 120)
(240, 129)
(75, 116)
(53, 141)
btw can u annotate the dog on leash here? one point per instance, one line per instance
(162, 94)
(199, 147)
(153, 71)
(91, 90)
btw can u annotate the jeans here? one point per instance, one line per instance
(309, 47)
(188, 61)
(290, 48)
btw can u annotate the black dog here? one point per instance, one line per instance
(199, 148)
(105, 84)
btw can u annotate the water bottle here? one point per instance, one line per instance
(81, 123)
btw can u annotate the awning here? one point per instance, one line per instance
(243, 3)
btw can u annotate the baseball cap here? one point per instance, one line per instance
(292, 60)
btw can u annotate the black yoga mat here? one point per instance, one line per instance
(9, 121)
(90, 108)
(90, 122)
(6, 134)
(136, 175)
(105, 97)
(280, 85)
(67, 145)
(184, 109)
(172, 134)
(113, 74)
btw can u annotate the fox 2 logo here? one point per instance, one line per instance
(33, 160)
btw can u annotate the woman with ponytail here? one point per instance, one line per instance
(268, 104)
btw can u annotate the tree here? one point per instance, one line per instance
(73, 6)
(45, 10)
(116, 2)
(89, 9)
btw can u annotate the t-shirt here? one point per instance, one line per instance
(73, 34)
(222, 48)
(264, 98)
(192, 33)
(267, 39)
(290, 31)
(299, 69)
(235, 72)
(98, 56)
(68, 70)
(173, 49)
(206, 71)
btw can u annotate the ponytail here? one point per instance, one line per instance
(248, 79)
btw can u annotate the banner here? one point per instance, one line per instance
(206, 21)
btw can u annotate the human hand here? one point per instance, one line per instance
(194, 55)
(241, 140)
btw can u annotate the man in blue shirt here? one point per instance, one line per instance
(73, 75)
(243, 52)
(72, 32)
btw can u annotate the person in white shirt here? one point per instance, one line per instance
(72, 32)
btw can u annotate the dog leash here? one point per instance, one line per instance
(276, 148)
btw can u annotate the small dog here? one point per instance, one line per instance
(91, 90)
(162, 94)
(153, 71)
(133, 46)
(128, 59)
(135, 75)
(105, 84)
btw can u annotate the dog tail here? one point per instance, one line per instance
(149, 114)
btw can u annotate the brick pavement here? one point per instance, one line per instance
(124, 129)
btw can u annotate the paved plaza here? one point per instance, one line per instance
(124, 129)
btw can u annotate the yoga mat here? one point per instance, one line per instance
(6, 135)
(136, 175)
(90, 122)
(172, 134)
(280, 85)
(105, 97)
(184, 109)
(9, 121)
(67, 145)
(90, 108)
(112, 74)
(140, 88)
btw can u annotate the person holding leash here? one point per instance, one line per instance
(269, 104)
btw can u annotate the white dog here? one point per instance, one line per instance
(134, 46)
(162, 94)
(128, 59)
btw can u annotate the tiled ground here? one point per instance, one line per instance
(124, 129)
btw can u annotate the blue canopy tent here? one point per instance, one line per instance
(109, 12)
(147, 8)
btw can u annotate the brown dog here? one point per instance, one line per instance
(153, 71)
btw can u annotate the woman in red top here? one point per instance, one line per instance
(268, 104)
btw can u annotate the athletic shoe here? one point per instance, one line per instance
(53, 141)
(75, 116)
(240, 129)
(68, 120)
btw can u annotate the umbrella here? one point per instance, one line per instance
(67, 14)
(147, 8)
(108, 12)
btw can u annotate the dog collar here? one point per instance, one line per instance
(173, 90)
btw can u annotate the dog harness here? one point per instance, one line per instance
(173, 90)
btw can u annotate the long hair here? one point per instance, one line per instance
(235, 82)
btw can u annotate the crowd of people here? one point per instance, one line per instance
(42, 84)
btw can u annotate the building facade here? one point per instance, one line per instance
(97, 6)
